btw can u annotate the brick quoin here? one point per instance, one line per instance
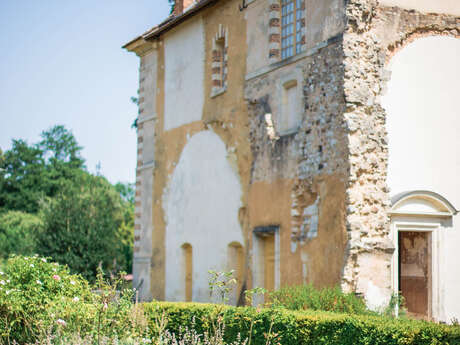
(274, 53)
(275, 38)
(274, 22)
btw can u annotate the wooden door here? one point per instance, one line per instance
(415, 272)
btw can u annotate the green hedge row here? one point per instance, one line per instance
(292, 328)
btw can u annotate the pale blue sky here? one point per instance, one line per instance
(61, 62)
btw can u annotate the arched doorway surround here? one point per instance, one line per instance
(418, 220)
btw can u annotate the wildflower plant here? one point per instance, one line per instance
(221, 284)
(39, 298)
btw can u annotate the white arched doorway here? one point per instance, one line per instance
(419, 221)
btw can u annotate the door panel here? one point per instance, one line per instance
(269, 255)
(415, 271)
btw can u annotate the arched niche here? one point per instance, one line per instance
(201, 206)
(421, 105)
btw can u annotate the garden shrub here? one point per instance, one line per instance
(38, 297)
(293, 327)
(305, 297)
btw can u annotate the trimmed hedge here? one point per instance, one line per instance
(306, 327)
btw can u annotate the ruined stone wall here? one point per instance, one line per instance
(324, 183)
(298, 180)
(372, 36)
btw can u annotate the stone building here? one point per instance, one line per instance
(301, 141)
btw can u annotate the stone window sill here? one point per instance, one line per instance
(217, 92)
(288, 132)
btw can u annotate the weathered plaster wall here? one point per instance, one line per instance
(201, 206)
(224, 115)
(426, 6)
(257, 17)
(303, 173)
(324, 19)
(424, 148)
(184, 74)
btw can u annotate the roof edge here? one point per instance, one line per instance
(174, 21)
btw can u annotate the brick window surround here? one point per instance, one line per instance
(219, 61)
(286, 29)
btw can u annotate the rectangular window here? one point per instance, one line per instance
(291, 27)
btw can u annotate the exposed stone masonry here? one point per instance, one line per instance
(373, 35)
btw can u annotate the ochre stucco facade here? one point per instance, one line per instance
(276, 167)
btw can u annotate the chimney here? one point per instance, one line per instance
(181, 5)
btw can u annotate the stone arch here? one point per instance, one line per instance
(201, 205)
(407, 38)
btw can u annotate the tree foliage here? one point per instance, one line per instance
(81, 225)
(86, 221)
(33, 172)
(18, 231)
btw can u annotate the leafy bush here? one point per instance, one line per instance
(39, 298)
(18, 231)
(305, 297)
(283, 326)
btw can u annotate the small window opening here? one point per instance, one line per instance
(219, 62)
(289, 120)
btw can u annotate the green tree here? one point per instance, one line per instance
(31, 172)
(81, 225)
(126, 191)
(59, 146)
(23, 176)
(126, 230)
(172, 3)
(18, 231)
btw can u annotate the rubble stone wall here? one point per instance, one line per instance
(373, 34)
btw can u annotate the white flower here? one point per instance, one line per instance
(43, 259)
(146, 341)
(39, 282)
(31, 265)
(2, 282)
(8, 292)
(1, 273)
(72, 282)
(61, 322)
(75, 299)
(7, 280)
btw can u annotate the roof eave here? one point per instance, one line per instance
(174, 21)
